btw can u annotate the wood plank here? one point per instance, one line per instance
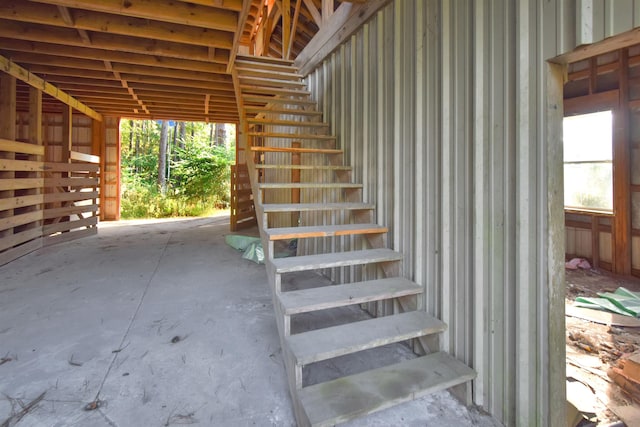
(21, 147)
(252, 89)
(73, 182)
(21, 184)
(312, 207)
(31, 79)
(82, 157)
(242, 19)
(338, 259)
(304, 167)
(75, 196)
(21, 201)
(32, 244)
(322, 344)
(333, 402)
(276, 122)
(325, 297)
(323, 231)
(18, 220)
(21, 165)
(309, 185)
(285, 111)
(71, 167)
(67, 237)
(160, 10)
(69, 225)
(594, 102)
(296, 150)
(70, 210)
(269, 74)
(250, 81)
(277, 100)
(292, 136)
(259, 61)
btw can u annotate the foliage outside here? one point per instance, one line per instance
(197, 171)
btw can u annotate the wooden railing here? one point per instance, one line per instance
(42, 203)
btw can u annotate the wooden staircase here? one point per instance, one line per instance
(279, 121)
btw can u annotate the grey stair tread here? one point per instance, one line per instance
(291, 135)
(336, 259)
(329, 403)
(302, 207)
(283, 111)
(322, 344)
(313, 167)
(322, 298)
(250, 89)
(273, 185)
(323, 231)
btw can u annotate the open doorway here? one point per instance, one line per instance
(601, 141)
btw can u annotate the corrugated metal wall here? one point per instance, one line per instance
(451, 116)
(599, 19)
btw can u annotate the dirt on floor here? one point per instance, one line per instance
(593, 349)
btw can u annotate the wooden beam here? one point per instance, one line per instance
(238, 34)
(35, 81)
(159, 10)
(46, 14)
(286, 26)
(327, 11)
(8, 132)
(145, 46)
(346, 20)
(207, 98)
(317, 17)
(294, 29)
(223, 4)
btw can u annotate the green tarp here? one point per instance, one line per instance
(622, 301)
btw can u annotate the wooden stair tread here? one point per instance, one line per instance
(269, 82)
(259, 60)
(322, 344)
(323, 231)
(292, 135)
(306, 167)
(336, 259)
(255, 72)
(296, 150)
(304, 207)
(332, 402)
(322, 298)
(276, 122)
(277, 100)
(279, 185)
(283, 111)
(250, 89)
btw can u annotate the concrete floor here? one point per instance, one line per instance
(160, 323)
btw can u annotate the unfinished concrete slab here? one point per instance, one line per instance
(158, 323)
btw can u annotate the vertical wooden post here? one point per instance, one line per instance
(286, 27)
(622, 175)
(7, 131)
(67, 133)
(35, 137)
(295, 177)
(595, 241)
(97, 149)
(327, 11)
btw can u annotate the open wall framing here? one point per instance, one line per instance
(49, 174)
(610, 82)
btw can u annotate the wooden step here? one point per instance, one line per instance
(259, 60)
(322, 344)
(266, 67)
(305, 207)
(306, 232)
(262, 82)
(277, 100)
(296, 150)
(247, 90)
(308, 185)
(287, 123)
(292, 135)
(337, 259)
(333, 402)
(325, 297)
(304, 167)
(283, 111)
(280, 75)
